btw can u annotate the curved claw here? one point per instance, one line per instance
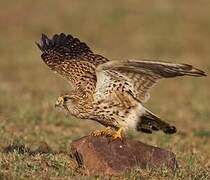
(118, 134)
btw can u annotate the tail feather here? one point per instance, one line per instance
(149, 122)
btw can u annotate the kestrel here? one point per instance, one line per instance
(108, 91)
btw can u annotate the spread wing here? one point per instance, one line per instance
(139, 76)
(72, 59)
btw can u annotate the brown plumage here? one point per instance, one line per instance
(110, 92)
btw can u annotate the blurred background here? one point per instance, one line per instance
(174, 31)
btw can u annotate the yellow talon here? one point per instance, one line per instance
(96, 133)
(119, 134)
(104, 132)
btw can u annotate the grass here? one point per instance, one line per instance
(35, 137)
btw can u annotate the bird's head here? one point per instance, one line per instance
(68, 103)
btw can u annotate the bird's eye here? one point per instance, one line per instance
(65, 98)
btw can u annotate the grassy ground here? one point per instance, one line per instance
(35, 137)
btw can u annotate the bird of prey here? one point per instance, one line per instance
(110, 92)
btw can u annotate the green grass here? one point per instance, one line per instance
(35, 137)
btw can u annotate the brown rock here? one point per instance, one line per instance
(100, 156)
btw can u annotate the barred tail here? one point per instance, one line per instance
(148, 122)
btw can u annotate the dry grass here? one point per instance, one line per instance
(37, 137)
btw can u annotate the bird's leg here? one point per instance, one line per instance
(104, 132)
(118, 134)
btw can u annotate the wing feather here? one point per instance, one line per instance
(76, 62)
(72, 59)
(143, 75)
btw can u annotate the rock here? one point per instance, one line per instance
(100, 156)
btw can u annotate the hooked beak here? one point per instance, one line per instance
(56, 104)
(59, 102)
